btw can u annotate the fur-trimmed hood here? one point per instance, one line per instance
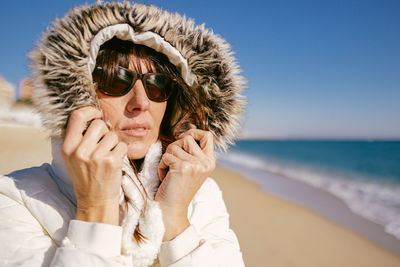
(62, 61)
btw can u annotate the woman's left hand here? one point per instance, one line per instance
(183, 168)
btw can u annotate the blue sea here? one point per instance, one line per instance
(364, 174)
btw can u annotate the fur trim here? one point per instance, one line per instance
(63, 82)
(148, 216)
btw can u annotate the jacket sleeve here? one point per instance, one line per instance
(208, 241)
(91, 244)
(24, 242)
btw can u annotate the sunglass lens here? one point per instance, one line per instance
(118, 87)
(112, 85)
(158, 87)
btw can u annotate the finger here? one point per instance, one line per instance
(167, 160)
(176, 150)
(107, 143)
(95, 132)
(205, 138)
(77, 123)
(190, 145)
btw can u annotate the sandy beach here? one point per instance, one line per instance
(271, 231)
(276, 232)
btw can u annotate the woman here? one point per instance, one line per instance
(135, 98)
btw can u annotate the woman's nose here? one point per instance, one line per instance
(138, 100)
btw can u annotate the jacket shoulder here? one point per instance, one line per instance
(208, 205)
(208, 190)
(25, 181)
(34, 189)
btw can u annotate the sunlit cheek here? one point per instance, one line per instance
(110, 110)
(159, 112)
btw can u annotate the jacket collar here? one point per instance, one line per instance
(148, 174)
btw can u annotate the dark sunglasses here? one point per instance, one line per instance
(158, 86)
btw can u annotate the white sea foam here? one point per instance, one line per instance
(376, 201)
(23, 116)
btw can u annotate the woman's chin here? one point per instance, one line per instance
(137, 150)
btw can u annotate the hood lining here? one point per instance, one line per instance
(150, 39)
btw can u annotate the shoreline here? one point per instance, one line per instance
(327, 205)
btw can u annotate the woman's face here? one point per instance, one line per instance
(135, 119)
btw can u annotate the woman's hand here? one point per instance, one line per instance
(93, 158)
(183, 168)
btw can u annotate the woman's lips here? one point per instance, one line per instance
(136, 130)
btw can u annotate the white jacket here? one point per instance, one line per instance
(37, 227)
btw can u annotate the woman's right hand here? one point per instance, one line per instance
(94, 158)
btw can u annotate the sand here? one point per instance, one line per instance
(276, 232)
(23, 147)
(271, 231)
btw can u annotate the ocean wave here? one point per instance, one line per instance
(19, 116)
(374, 200)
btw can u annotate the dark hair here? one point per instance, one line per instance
(184, 108)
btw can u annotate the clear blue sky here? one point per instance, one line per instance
(316, 69)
